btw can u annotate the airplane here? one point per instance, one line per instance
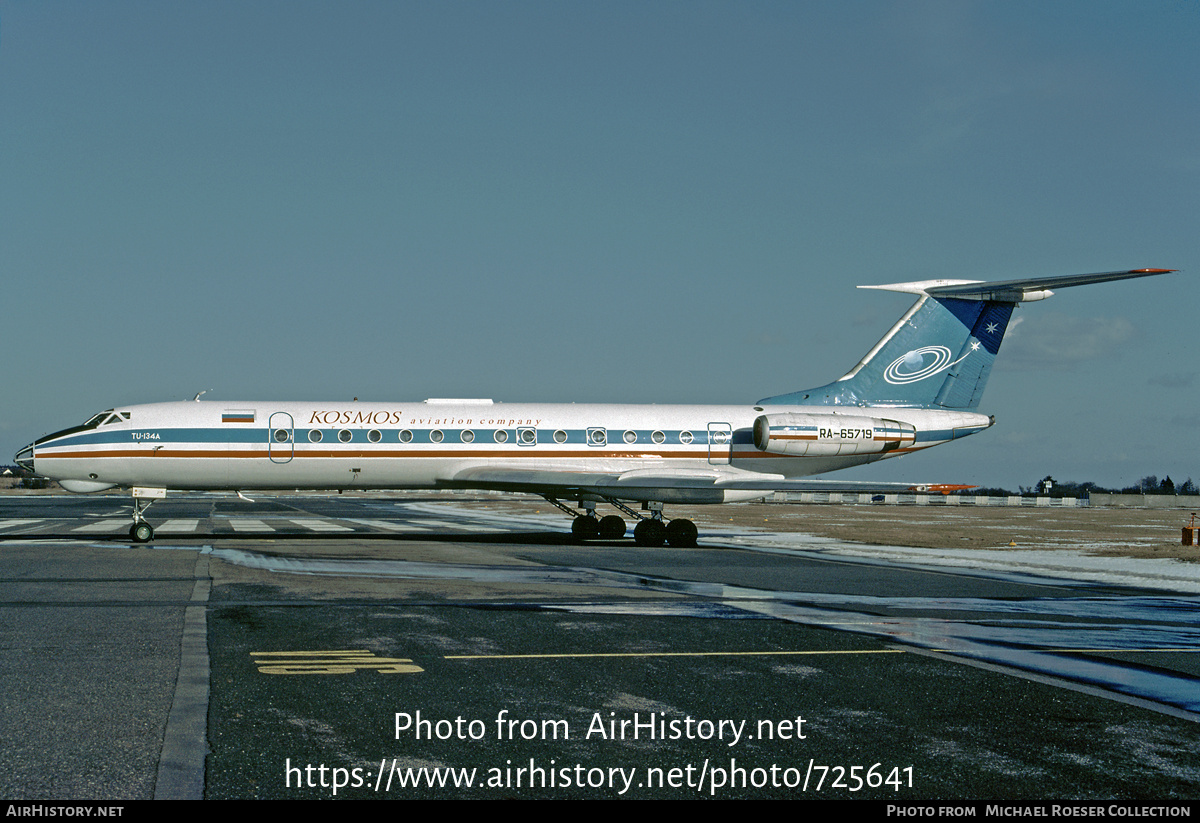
(917, 387)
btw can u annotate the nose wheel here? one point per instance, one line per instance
(141, 532)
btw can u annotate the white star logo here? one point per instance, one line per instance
(974, 345)
(991, 328)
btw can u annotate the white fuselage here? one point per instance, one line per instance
(439, 444)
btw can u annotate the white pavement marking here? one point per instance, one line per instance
(445, 524)
(390, 525)
(249, 524)
(177, 527)
(110, 525)
(319, 525)
(12, 524)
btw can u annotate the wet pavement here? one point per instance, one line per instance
(953, 682)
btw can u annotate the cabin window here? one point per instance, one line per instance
(527, 437)
(685, 437)
(282, 435)
(345, 435)
(467, 436)
(436, 436)
(314, 436)
(374, 435)
(501, 436)
(560, 436)
(630, 437)
(406, 436)
(658, 437)
(597, 437)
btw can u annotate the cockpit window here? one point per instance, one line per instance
(98, 420)
(102, 419)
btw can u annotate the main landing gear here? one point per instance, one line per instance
(651, 530)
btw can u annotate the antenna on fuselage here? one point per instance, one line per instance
(197, 397)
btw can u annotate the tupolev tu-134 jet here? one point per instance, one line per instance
(918, 387)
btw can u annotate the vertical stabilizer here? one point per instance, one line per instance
(940, 354)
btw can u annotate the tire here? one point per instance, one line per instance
(141, 532)
(585, 528)
(682, 533)
(649, 533)
(612, 527)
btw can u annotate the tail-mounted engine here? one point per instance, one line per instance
(826, 435)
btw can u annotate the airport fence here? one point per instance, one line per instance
(915, 499)
(1096, 500)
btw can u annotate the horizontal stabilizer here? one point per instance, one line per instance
(1012, 291)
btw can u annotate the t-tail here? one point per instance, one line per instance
(940, 353)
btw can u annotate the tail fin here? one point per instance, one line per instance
(940, 353)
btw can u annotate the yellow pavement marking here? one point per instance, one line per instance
(665, 654)
(330, 662)
(781, 653)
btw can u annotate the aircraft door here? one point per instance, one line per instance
(281, 437)
(720, 443)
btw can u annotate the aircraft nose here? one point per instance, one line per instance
(24, 458)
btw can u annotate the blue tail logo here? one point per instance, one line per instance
(940, 354)
(912, 367)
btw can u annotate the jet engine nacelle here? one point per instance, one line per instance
(827, 435)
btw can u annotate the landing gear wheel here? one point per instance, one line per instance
(141, 532)
(585, 527)
(682, 533)
(612, 527)
(649, 533)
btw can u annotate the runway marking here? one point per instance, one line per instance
(330, 662)
(319, 525)
(390, 525)
(664, 654)
(12, 524)
(781, 653)
(248, 524)
(177, 527)
(110, 525)
(444, 524)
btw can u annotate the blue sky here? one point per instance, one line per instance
(629, 202)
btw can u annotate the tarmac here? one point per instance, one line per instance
(452, 646)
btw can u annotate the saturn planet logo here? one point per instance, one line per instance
(918, 364)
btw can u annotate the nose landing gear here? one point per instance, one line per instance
(141, 531)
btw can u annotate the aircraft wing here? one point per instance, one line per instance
(669, 484)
